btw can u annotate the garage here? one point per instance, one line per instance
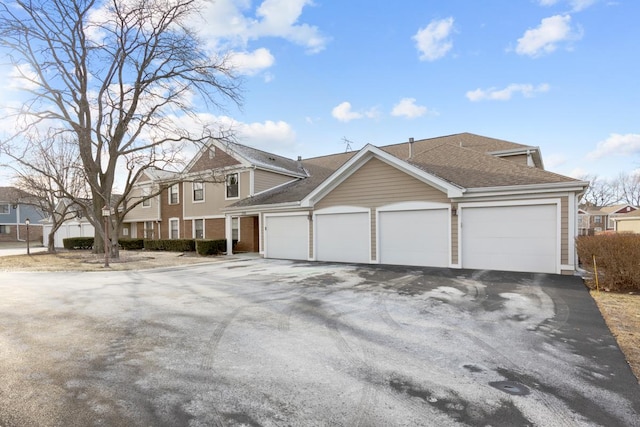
(343, 237)
(414, 237)
(510, 238)
(287, 237)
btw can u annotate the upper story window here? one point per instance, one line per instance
(232, 186)
(146, 202)
(597, 219)
(4, 208)
(174, 195)
(198, 191)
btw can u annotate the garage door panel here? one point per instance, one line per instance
(513, 238)
(287, 237)
(343, 237)
(418, 237)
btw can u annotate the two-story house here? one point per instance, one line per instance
(598, 219)
(16, 206)
(458, 201)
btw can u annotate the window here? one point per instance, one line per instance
(198, 229)
(597, 219)
(146, 202)
(232, 186)
(198, 191)
(125, 231)
(4, 208)
(174, 231)
(235, 228)
(148, 229)
(5, 229)
(173, 195)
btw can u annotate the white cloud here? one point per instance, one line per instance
(433, 41)
(343, 113)
(234, 22)
(408, 108)
(576, 5)
(22, 77)
(546, 37)
(617, 145)
(494, 94)
(554, 161)
(251, 63)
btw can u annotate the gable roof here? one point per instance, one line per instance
(461, 161)
(615, 209)
(223, 154)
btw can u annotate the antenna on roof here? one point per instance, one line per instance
(348, 143)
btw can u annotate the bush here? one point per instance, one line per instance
(171, 245)
(131, 244)
(617, 259)
(76, 243)
(212, 247)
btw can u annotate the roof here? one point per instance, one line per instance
(270, 161)
(14, 195)
(462, 160)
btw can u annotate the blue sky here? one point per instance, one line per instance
(558, 74)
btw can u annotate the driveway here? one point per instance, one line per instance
(275, 343)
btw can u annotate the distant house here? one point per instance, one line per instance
(457, 201)
(598, 219)
(76, 224)
(627, 222)
(16, 206)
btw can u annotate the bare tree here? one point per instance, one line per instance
(629, 188)
(600, 192)
(49, 169)
(116, 76)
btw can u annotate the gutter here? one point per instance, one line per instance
(537, 188)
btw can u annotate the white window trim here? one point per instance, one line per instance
(193, 200)
(170, 228)
(225, 186)
(145, 193)
(193, 227)
(8, 212)
(177, 193)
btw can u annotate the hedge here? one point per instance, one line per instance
(617, 258)
(172, 245)
(212, 247)
(131, 244)
(76, 243)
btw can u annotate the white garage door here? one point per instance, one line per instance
(343, 237)
(512, 238)
(287, 237)
(417, 237)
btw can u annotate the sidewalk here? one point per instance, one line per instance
(20, 248)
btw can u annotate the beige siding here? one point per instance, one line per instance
(264, 180)
(629, 226)
(520, 159)
(378, 184)
(143, 213)
(214, 197)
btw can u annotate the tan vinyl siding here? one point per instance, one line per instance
(564, 230)
(377, 184)
(264, 180)
(143, 213)
(521, 159)
(629, 226)
(214, 197)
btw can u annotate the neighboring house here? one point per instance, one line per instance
(459, 201)
(16, 206)
(145, 219)
(597, 219)
(628, 222)
(76, 224)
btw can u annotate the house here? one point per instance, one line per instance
(16, 206)
(458, 201)
(596, 219)
(145, 219)
(627, 222)
(75, 224)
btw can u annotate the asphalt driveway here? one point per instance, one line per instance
(273, 343)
